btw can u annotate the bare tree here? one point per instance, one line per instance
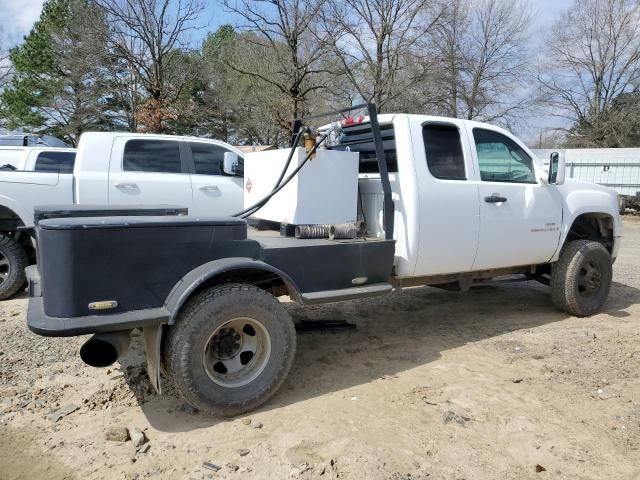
(482, 58)
(280, 50)
(548, 138)
(447, 43)
(378, 44)
(151, 35)
(593, 58)
(5, 67)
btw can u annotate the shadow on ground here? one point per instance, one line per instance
(394, 333)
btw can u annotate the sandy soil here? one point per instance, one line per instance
(489, 384)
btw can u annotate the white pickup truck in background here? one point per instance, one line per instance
(112, 169)
(37, 159)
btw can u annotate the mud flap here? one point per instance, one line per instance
(152, 338)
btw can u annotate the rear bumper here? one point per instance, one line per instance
(42, 324)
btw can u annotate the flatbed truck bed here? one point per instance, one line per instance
(167, 258)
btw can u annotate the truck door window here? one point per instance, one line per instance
(501, 159)
(207, 158)
(444, 151)
(56, 162)
(161, 156)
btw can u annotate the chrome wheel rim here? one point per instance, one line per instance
(5, 268)
(237, 352)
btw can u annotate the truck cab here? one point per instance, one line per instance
(470, 196)
(149, 169)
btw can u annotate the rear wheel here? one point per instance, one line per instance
(581, 278)
(13, 261)
(231, 349)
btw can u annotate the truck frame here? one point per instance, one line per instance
(205, 290)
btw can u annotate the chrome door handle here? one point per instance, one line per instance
(126, 185)
(208, 188)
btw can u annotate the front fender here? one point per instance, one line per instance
(196, 277)
(580, 198)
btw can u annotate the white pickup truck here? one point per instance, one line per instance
(37, 159)
(447, 202)
(111, 169)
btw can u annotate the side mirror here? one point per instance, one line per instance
(557, 168)
(231, 163)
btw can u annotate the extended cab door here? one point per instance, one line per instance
(214, 192)
(520, 216)
(146, 171)
(448, 213)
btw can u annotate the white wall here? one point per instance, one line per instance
(617, 168)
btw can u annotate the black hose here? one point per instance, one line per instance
(257, 206)
(290, 157)
(294, 144)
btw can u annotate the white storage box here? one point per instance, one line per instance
(325, 190)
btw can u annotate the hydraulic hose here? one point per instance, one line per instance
(347, 230)
(284, 170)
(257, 206)
(312, 231)
(296, 141)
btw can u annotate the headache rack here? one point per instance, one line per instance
(373, 142)
(359, 138)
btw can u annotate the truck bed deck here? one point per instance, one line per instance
(273, 239)
(359, 266)
(104, 255)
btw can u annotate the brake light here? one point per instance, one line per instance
(352, 120)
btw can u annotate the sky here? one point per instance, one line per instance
(18, 16)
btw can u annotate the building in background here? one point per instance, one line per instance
(617, 168)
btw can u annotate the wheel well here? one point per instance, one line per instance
(9, 223)
(593, 226)
(264, 279)
(9, 220)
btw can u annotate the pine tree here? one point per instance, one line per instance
(61, 85)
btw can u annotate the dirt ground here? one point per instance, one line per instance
(489, 384)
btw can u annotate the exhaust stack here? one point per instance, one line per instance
(103, 349)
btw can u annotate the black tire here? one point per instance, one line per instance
(13, 261)
(581, 278)
(192, 339)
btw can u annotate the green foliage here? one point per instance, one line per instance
(616, 127)
(60, 86)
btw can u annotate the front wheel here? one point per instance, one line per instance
(231, 349)
(581, 278)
